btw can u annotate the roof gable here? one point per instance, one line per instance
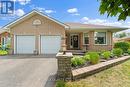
(31, 14)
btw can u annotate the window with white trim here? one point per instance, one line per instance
(86, 38)
(100, 37)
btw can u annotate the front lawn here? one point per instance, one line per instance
(118, 76)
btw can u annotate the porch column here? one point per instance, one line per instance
(91, 40)
(81, 41)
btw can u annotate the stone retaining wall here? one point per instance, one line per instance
(87, 71)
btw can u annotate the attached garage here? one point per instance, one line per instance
(50, 44)
(25, 44)
(37, 32)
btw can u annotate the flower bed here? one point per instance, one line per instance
(3, 52)
(91, 58)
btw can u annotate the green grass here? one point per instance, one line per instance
(117, 76)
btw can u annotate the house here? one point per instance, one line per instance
(4, 38)
(124, 39)
(36, 32)
(115, 40)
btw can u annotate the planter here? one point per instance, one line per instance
(92, 69)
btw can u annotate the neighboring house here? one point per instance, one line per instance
(37, 32)
(124, 39)
(115, 39)
(4, 38)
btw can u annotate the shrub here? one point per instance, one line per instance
(94, 57)
(60, 83)
(128, 51)
(2, 52)
(117, 52)
(106, 54)
(123, 45)
(77, 61)
(86, 57)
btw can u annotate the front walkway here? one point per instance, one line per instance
(26, 71)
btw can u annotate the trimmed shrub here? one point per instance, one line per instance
(60, 83)
(106, 54)
(123, 45)
(128, 51)
(117, 52)
(77, 61)
(2, 52)
(94, 57)
(86, 57)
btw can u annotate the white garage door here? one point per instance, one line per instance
(25, 44)
(50, 44)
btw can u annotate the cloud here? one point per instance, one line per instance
(22, 2)
(50, 11)
(41, 9)
(87, 20)
(72, 10)
(92, 21)
(76, 14)
(19, 12)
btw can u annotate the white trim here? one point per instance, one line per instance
(14, 44)
(106, 38)
(88, 37)
(39, 40)
(110, 36)
(35, 11)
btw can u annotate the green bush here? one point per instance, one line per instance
(86, 57)
(60, 83)
(106, 54)
(77, 61)
(128, 51)
(94, 57)
(2, 52)
(117, 52)
(123, 45)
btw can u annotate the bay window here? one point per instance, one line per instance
(100, 37)
(86, 38)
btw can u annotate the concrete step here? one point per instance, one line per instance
(76, 52)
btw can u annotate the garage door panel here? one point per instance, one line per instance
(50, 44)
(25, 44)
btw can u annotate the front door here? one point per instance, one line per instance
(74, 39)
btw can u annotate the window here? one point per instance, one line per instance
(100, 37)
(3, 41)
(86, 38)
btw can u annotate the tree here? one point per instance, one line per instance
(121, 35)
(120, 8)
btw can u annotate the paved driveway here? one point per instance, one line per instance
(27, 71)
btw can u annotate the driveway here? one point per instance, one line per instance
(27, 71)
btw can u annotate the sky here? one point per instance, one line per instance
(83, 11)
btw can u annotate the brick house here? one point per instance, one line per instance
(37, 32)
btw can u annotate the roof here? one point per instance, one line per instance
(91, 26)
(2, 31)
(29, 15)
(125, 38)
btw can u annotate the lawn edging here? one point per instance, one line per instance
(89, 70)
